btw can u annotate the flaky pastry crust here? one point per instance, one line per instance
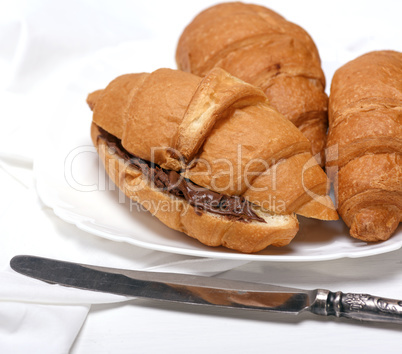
(365, 144)
(261, 47)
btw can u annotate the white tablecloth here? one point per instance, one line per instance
(41, 44)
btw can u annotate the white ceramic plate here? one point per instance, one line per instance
(72, 181)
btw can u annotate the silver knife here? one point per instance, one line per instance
(201, 290)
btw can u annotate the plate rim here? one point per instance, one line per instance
(84, 223)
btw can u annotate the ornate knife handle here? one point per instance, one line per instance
(363, 307)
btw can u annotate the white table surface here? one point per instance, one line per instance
(40, 43)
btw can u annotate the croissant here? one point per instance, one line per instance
(259, 46)
(228, 168)
(365, 144)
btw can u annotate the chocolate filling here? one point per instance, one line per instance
(233, 207)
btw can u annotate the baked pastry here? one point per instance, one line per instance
(259, 46)
(365, 143)
(208, 157)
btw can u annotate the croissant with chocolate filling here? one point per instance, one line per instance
(259, 46)
(365, 143)
(208, 157)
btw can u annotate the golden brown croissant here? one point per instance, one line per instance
(365, 143)
(230, 169)
(259, 46)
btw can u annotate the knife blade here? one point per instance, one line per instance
(199, 290)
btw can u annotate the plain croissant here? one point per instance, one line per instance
(259, 46)
(230, 145)
(365, 143)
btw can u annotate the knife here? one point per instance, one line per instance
(201, 290)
